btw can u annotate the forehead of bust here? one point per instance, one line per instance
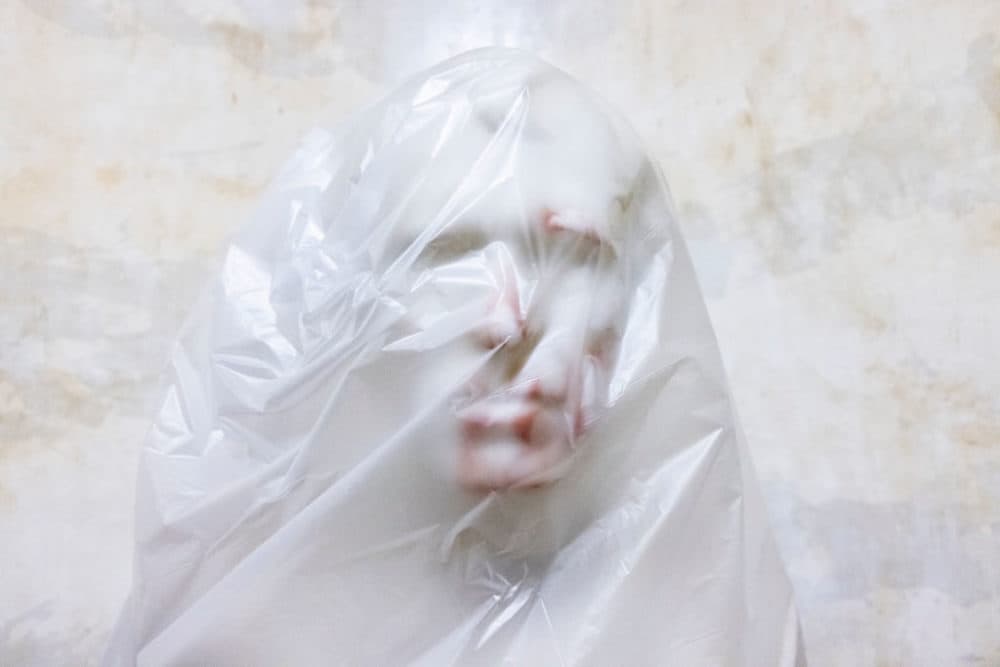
(502, 154)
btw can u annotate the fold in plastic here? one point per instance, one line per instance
(453, 398)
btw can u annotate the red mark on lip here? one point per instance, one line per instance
(501, 448)
(511, 417)
(522, 425)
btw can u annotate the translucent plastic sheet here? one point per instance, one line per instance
(454, 399)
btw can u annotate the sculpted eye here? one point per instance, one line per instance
(568, 238)
(453, 245)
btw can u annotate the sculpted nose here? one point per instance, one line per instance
(504, 320)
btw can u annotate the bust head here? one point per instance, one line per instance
(507, 232)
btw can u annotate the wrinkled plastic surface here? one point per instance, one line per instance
(454, 399)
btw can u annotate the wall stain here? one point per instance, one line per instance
(804, 204)
(728, 153)
(926, 402)
(856, 26)
(984, 70)
(12, 410)
(298, 49)
(26, 184)
(235, 188)
(870, 317)
(8, 501)
(820, 104)
(110, 175)
(242, 43)
(842, 535)
(52, 401)
(984, 228)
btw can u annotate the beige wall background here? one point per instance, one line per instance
(836, 168)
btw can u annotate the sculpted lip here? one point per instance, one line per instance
(515, 438)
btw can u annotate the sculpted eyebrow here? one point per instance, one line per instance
(454, 243)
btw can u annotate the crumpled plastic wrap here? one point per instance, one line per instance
(454, 399)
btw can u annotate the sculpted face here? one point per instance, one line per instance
(547, 317)
(506, 237)
(509, 233)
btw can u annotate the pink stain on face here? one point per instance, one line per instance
(570, 220)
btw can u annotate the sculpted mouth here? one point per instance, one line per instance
(516, 438)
